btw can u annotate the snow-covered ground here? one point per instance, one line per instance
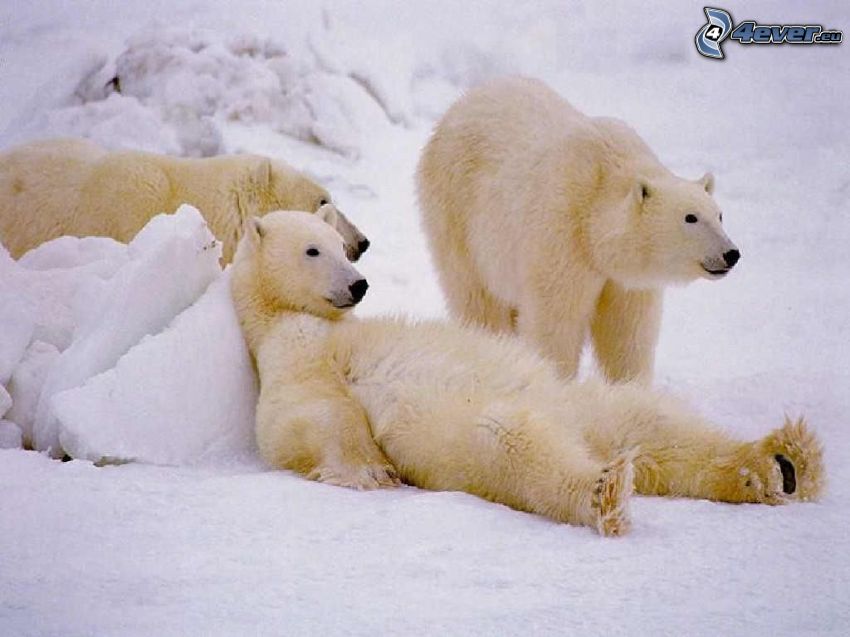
(104, 354)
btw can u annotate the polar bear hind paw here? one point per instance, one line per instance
(611, 493)
(792, 463)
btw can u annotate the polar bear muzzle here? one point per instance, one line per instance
(356, 242)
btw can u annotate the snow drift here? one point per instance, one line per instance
(145, 362)
(173, 90)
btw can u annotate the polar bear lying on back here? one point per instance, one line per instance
(364, 403)
(74, 187)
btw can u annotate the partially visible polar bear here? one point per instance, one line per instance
(74, 187)
(554, 224)
(364, 403)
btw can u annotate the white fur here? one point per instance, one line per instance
(362, 403)
(74, 187)
(556, 225)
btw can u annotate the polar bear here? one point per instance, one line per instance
(369, 403)
(546, 222)
(74, 187)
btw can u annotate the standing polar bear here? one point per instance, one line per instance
(546, 221)
(74, 187)
(366, 403)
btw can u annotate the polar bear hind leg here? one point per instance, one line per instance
(680, 455)
(784, 466)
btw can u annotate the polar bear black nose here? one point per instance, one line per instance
(363, 245)
(731, 257)
(358, 289)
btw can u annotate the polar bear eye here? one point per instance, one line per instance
(312, 252)
(721, 217)
(690, 218)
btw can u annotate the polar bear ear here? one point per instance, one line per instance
(707, 182)
(327, 213)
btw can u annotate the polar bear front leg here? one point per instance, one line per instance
(555, 313)
(321, 432)
(624, 331)
(467, 296)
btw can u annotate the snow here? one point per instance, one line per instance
(73, 252)
(123, 359)
(5, 400)
(140, 299)
(10, 435)
(41, 301)
(26, 384)
(17, 332)
(192, 384)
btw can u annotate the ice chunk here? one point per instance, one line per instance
(43, 296)
(26, 383)
(184, 396)
(72, 252)
(172, 261)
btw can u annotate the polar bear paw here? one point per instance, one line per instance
(785, 465)
(611, 495)
(361, 477)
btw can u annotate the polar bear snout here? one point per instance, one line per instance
(719, 266)
(358, 290)
(353, 251)
(344, 298)
(356, 242)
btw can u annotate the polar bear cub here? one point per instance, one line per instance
(559, 226)
(74, 187)
(369, 403)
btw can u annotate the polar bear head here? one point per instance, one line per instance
(278, 186)
(664, 229)
(298, 261)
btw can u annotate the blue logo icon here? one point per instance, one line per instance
(717, 29)
(720, 27)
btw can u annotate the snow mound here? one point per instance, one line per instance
(184, 396)
(171, 262)
(174, 90)
(72, 252)
(126, 352)
(39, 303)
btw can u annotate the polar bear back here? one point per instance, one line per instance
(74, 187)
